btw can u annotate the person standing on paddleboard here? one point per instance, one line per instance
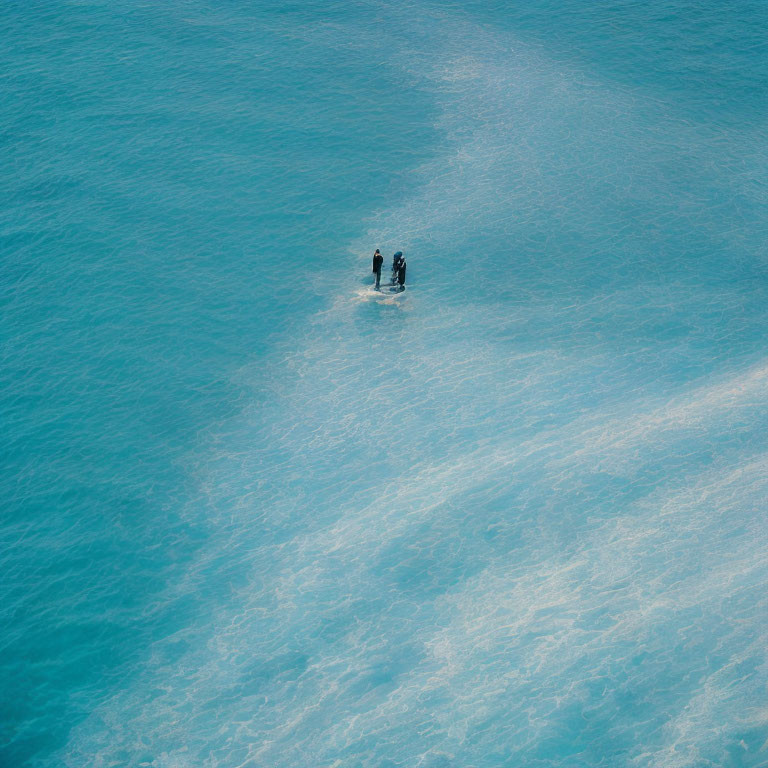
(378, 260)
(396, 259)
(401, 273)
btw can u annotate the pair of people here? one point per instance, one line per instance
(398, 269)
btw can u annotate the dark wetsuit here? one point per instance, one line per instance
(401, 274)
(396, 262)
(378, 260)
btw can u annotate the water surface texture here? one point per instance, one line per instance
(255, 514)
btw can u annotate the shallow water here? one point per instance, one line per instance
(257, 514)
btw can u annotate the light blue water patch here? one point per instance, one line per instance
(262, 515)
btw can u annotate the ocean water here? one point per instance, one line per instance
(256, 514)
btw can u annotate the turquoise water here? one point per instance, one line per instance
(255, 514)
